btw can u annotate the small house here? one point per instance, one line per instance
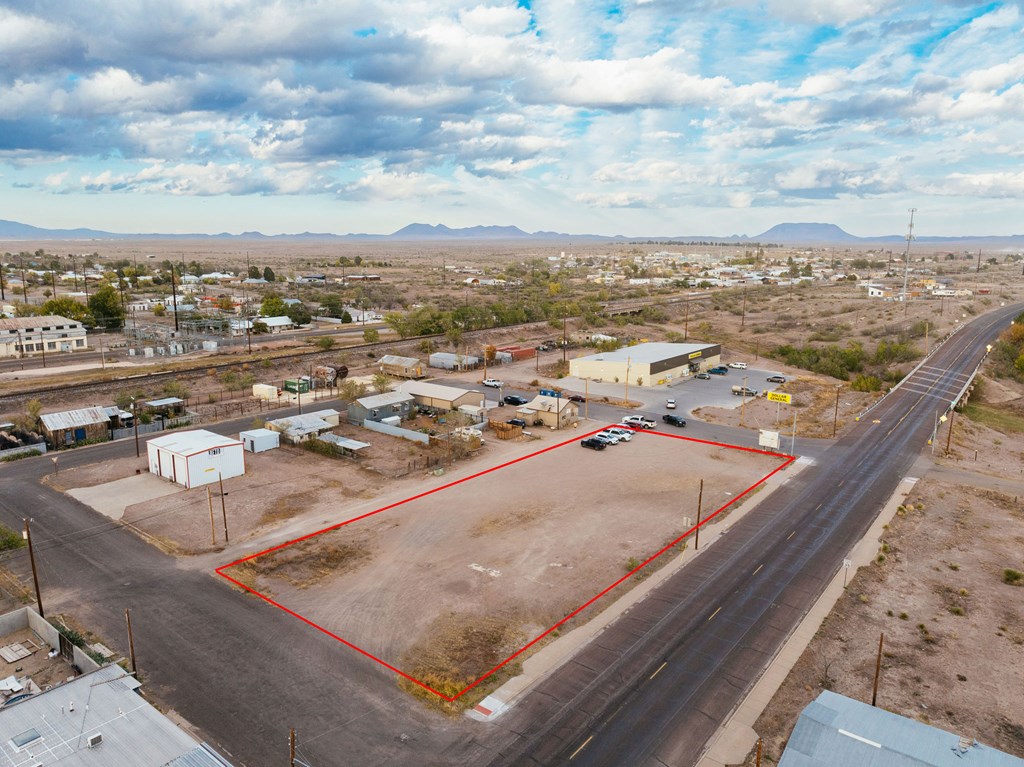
(440, 398)
(380, 407)
(71, 427)
(260, 440)
(195, 458)
(553, 412)
(299, 428)
(401, 367)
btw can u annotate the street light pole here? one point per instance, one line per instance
(835, 417)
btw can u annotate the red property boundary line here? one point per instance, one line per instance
(220, 570)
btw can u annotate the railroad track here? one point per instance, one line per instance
(104, 386)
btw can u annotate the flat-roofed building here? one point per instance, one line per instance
(647, 364)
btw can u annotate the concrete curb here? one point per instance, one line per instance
(736, 737)
(550, 657)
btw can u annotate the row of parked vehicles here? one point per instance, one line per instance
(625, 430)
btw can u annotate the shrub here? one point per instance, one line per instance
(1013, 577)
(866, 383)
(10, 539)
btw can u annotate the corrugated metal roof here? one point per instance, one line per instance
(69, 419)
(437, 391)
(134, 734)
(387, 398)
(836, 731)
(165, 402)
(189, 442)
(31, 323)
(394, 359)
(201, 756)
(350, 444)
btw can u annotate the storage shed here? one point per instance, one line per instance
(259, 440)
(401, 367)
(73, 426)
(449, 361)
(195, 458)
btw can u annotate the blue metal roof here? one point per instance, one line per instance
(836, 731)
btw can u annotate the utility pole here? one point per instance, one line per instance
(949, 434)
(135, 416)
(291, 748)
(743, 315)
(223, 507)
(174, 299)
(626, 401)
(906, 262)
(696, 533)
(32, 560)
(878, 670)
(131, 639)
(835, 417)
(686, 316)
(978, 269)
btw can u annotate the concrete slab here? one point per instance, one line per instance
(112, 498)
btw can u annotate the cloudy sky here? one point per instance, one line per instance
(637, 117)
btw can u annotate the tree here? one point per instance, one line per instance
(333, 306)
(350, 390)
(381, 382)
(268, 274)
(273, 306)
(254, 272)
(399, 323)
(259, 328)
(176, 389)
(64, 306)
(371, 335)
(298, 313)
(105, 306)
(225, 304)
(159, 310)
(325, 343)
(29, 420)
(346, 318)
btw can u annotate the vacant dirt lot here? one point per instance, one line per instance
(953, 624)
(447, 585)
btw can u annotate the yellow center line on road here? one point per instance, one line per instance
(658, 671)
(758, 569)
(819, 506)
(791, 535)
(582, 746)
(714, 613)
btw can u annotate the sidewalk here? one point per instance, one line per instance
(735, 739)
(550, 657)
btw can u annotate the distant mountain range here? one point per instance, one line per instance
(781, 234)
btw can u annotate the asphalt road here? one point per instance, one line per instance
(244, 672)
(655, 686)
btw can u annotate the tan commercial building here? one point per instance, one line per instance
(647, 364)
(440, 397)
(21, 336)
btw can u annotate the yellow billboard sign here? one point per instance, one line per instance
(777, 396)
(694, 355)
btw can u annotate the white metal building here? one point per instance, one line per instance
(195, 458)
(647, 364)
(259, 440)
(20, 336)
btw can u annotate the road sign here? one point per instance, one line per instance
(847, 563)
(777, 396)
(768, 439)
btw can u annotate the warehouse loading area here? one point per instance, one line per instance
(450, 588)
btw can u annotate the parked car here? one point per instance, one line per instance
(639, 422)
(738, 365)
(744, 391)
(624, 435)
(776, 379)
(606, 435)
(702, 376)
(516, 422)
(515, 399)
(675, 420)
(543, 348)
(576, 398)
(670, 404)
(594, 444)
(718, 371)
(494, 383)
